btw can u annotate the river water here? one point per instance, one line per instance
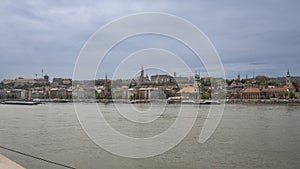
(248, 136)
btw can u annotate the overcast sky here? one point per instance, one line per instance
(258, 36)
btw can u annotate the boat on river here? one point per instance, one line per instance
(21, 102)
(139, 101)
(172, 100)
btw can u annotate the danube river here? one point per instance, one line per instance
(248, 136)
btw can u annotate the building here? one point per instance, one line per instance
(61, 93)
(20, 82)
(291, 87)
(53, 93)
(62, 82)
(251, 93)
(187, 93)
(39, 93)
(288, 80)
(17, 94)
(159, 86)
(120, 92)
(181, 79)
(163, 79)
(287, 91)
(261, 78)
(142, 78)
(104, 89)
(26, 83)
(2, 94)
(197, 86)
(277, 92)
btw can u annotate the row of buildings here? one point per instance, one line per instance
(261, 87)
(155, 87)
(147, 88)
(144, 87)
(38, 88)
(165, 86)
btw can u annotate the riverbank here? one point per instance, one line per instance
(163, 101)
(263, 101)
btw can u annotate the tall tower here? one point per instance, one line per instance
(288, 80)
(46, 77)
(197, 85)
(107, 88)
(142, 71)
(141, 79)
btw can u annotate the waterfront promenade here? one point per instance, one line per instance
(6, 163)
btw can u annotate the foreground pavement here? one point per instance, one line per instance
(6, 163)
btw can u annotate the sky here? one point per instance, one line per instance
(251, 37)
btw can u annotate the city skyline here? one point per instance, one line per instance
(149, 73)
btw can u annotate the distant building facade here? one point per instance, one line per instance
(289, 90)
(251, 93)
(157, 87)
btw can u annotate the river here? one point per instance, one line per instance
(248, 136)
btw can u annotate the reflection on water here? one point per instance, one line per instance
(255, 136)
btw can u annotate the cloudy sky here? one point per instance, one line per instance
(251, 37)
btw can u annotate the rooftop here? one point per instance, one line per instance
(252, 90)
(187, 90)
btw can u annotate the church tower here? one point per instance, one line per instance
(288, 80)
(142, 71)
(107, 88)
(142, 75)
(197, 85)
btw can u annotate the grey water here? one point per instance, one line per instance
(248, 136)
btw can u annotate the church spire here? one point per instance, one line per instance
(288, 80)
(142, 71)
(142, 77)
(288, 73)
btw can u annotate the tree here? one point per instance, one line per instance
(206, 96)
(169, 93)
(228, 95)
(286, 94)
(281, 95)
(291, 95)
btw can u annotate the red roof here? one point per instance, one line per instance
(277, 89)
(252, 90)
(187, 90)
(293, 86)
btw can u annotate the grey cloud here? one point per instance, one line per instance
(50, 34)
